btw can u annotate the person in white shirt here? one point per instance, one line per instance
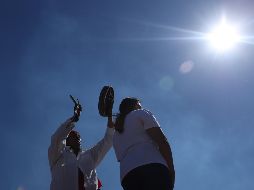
(145, 156)
(71, 167)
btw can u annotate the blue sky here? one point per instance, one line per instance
(202, 98)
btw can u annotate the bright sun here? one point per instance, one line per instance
(224, 36)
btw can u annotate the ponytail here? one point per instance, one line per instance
(119, 123)
(127, 105)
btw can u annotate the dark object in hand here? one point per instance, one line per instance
(106, 101)
(77, 109)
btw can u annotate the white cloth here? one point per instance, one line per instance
(64, 164)
(134, 147)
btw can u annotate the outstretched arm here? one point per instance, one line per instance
(56, 145)
(98, 152)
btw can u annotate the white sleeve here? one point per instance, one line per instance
(148, 119)
(98, 152)
(57, 145)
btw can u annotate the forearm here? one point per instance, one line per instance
(166, 152)
(102, 147)
(63, 131)
(160, 139)
(110, 123)
(57, 139)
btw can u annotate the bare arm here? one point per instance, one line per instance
(110, 122)
(160, 139)
(99, 151)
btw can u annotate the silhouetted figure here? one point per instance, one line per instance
(142, 149)
(71, 167)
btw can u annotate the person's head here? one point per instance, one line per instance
(126, 106)
(74, 141)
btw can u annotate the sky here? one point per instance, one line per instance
(152, 50)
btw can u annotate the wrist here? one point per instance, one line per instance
(110, 123)
(75, 118)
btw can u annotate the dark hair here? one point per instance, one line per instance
(127, 105)
(72, 134)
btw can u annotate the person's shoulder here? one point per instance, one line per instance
(141, 112)
(134, 112)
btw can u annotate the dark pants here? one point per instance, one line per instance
(153, 176)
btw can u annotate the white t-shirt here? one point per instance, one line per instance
(134, 147)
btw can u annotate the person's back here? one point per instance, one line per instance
(142, 149)
(134, 147)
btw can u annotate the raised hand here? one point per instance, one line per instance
(77, 109)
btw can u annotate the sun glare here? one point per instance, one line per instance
(224, 36)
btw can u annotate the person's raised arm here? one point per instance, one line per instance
(56, 145)
(97, 153)
(102, 147)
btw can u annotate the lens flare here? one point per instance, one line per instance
(186, 67)
(166, 83)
